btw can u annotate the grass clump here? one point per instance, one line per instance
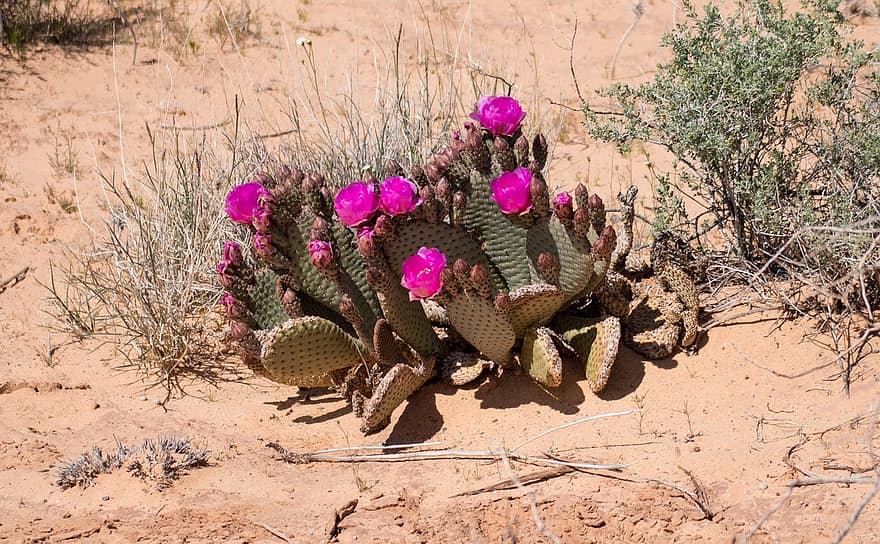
(773, 119)
(63, 22)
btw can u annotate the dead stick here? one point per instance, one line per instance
(15, 278)
(275, 532)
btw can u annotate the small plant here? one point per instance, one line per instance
(773, 119)
(66, 22)
(160, 461)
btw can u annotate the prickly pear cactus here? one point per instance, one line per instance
(468, 263)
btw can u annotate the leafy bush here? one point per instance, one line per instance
(774, 121)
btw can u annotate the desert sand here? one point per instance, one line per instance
(756, 407)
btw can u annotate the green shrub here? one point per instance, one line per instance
(774, 121)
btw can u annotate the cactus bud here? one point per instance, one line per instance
(539, 150)
(365, 242)
(581, 195)
(604, 246)
(461, 268)
(562, 207)
(503, 154)
(313, 181)
(320, 228)
(502, 303)
(548, 266)
(581, 222)
(597, 212)
(238, 331)
(291, 303)
(521, 150)
(383, 227)
(393, 168)
(263, 245)
(320, 253)
(349, 312)
(450, 285)
(234, 308)
(459, 203)
(442, 189)
(417, 174)
(480, 280)
(432, 171)
(442, 161)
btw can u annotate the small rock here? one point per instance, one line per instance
(105, 498)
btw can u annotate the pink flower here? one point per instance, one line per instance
(356, 203)
(421, 273)
(243, 201)
(511, 192)
(398, 195)
(500, 115)
(263, 245)
(320, 253)
(231, 252)
(561, 199)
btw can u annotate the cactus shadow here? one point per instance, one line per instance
(629, 372)
(420, 419)
(513, 390)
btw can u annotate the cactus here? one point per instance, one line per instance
(341, 287)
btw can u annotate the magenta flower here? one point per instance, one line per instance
(356, 203)
(320, 253)
(500, 115)
(511, 192)
(562, 199)
(263, 245)
(243, 201)
(398, 195)
(421, 273)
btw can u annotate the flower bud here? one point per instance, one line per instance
(365, 242)
(320, 253)
(238, 331)
(234, 308)
(263, 245)
(604, 246)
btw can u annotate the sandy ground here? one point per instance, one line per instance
(755, 408)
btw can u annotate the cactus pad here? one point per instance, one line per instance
(540, 359)
(532, 305)
(596, 341)
(302, 350)
(396, 386)
(477, 321)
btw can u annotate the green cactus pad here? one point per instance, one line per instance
(295, 247)
(301, 350)
(504, 238)
(596, 341)
(540, 359)
(264, 306)
(477, 321)
(351, 262)
(572, 252)
(533, 305)
(396, 386)
(385, 345)
(406, 317)
(452, 241)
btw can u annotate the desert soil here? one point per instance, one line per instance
(755, 408)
